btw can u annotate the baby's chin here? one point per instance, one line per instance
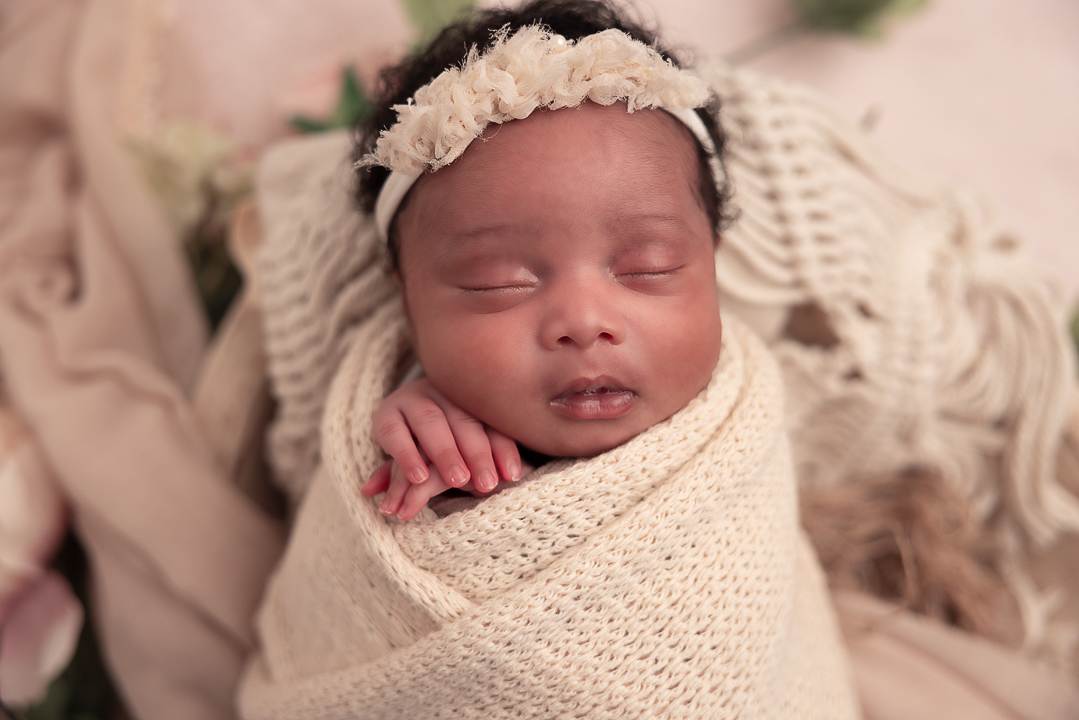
(583, 442)
(594, 437)
(588, 438)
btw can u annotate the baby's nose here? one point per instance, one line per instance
(582, 314)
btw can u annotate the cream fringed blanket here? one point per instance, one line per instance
(664, 578)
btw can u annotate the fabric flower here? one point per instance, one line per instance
(40, 617)
(522, 72)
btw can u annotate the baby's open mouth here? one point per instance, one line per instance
(599, 399)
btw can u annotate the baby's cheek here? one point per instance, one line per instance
(475, 364)
(694, 349)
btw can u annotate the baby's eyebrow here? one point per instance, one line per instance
(626, 221)
(475, 238)
(481, 231)
(482, 238)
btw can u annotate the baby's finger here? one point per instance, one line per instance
(507, 456)
(399, 486)
(432, 431)
(379, 480)
(418, 495)
(471, 436)
(392, 433)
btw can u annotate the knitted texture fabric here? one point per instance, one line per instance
(319, 267)
(664, 578)
(910, 331)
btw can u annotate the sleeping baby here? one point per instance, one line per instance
(558, 276)
(547, 189)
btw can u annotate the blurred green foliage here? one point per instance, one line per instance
(352, 107)
(430, 16)
(862, 18)
(199, 182)
(1075, 330)
(857, 17)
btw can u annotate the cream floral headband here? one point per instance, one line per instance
(522, 72)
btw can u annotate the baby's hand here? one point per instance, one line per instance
(406, 499)
(417, 422)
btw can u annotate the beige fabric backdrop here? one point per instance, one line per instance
(977, 92)
(100, 341)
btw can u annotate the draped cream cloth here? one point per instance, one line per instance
(101, 339)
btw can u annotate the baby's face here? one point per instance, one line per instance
(559, 277)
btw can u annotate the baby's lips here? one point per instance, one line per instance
(599, 399)
(591, 386)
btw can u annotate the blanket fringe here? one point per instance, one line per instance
(911, 538)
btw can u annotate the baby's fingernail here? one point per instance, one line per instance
(458, 476)
(418, 474)
(385, 509)
(515, 471)
(487, 481)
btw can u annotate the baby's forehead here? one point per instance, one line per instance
(578, 142)
(596, 165)
(652, 132)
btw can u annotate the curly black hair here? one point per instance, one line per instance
(572, 19)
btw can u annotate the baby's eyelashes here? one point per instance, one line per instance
(648, 274)
(651, 281)
(496, 288)
(485, 299)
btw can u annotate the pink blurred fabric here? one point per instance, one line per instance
(244, 67)
(40, 617)
(38, 639)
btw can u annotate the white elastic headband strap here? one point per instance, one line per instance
(398, 184)
(390, 196)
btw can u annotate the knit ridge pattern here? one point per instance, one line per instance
(320, 269)
(910, 330)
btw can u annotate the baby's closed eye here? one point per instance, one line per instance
(482, 274)
(651, 273)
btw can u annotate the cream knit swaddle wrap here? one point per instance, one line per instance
(664, 578)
